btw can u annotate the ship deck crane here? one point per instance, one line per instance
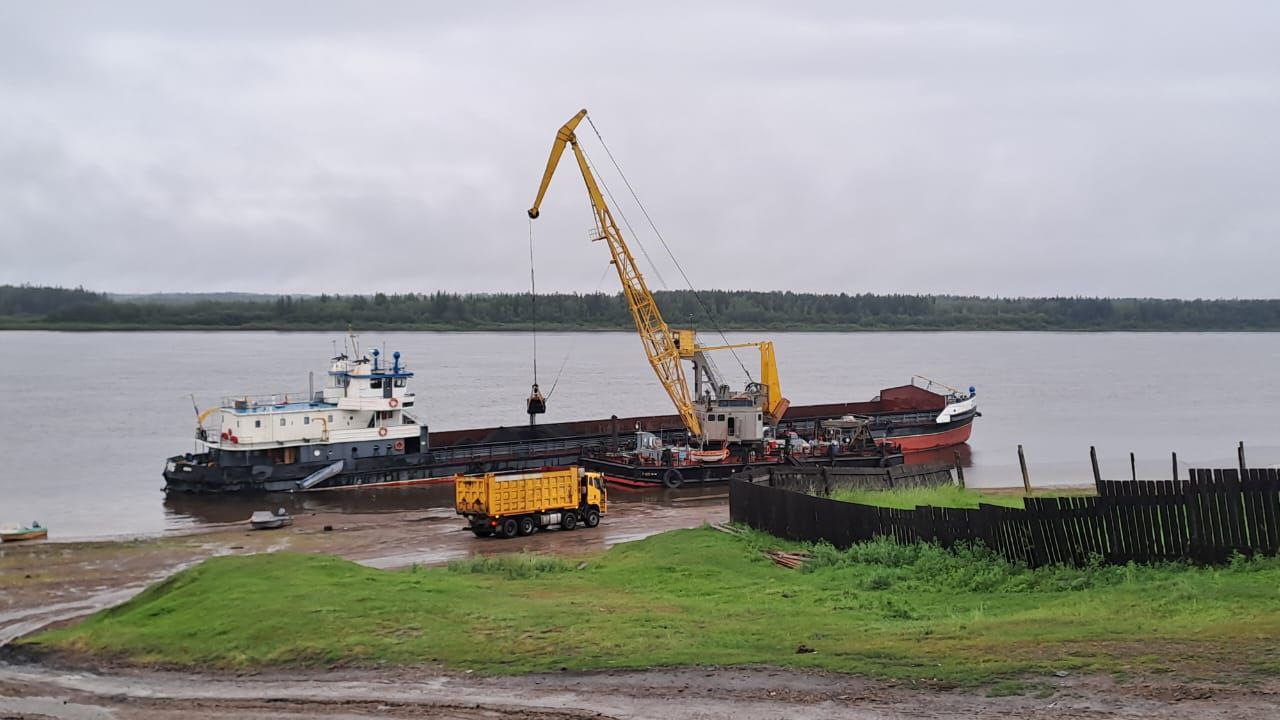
(663, 347)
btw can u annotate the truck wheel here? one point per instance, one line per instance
(569, 521)
(508, 528)
(525, 526)
(672, 479)
(592, 518)
(482, 531)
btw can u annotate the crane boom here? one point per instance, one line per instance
(659, 342)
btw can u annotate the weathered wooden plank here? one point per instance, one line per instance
(1232, 498)
(1271, 508)
(1218, 516)
(1168, 541)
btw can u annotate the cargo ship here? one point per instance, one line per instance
(361, 430)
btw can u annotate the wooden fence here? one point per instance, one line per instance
(823, 480)
(1206, 518)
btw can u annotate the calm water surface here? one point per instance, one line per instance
(91, 417)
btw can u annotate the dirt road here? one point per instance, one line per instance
(701, 693)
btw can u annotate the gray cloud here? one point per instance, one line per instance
(991, 148)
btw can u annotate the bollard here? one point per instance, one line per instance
(1133, 467)
(959, 470)
(1243, 468)
(1026, 479)
(1175, 467)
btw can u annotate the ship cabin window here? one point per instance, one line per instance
(257, 423)
(760, 416)
(281, 422)
(306, 420)
(399, 382)
(375, 384)
(731, 428)
(355, 451)
(719, 418)
(330, 418)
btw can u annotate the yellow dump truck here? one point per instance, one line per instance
(521, 503)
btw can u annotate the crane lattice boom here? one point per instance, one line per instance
(659, 342)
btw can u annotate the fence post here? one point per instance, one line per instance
(959, 470)
(1175, 467)
(1026, 479)
(1133, 466)
(1097, 474)
(1240, 452)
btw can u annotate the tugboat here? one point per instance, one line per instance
(352, 432)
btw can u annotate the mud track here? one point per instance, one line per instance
(703, 693)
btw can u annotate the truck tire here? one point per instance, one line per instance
(507, 528)
(569, 521)
(482, 531)
(673, 479)
(525, 525)
(591, 518)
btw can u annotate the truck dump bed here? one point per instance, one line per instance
(500, 495)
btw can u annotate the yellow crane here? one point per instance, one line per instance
(664, 348)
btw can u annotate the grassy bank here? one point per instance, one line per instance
(948, 496)
(942, 496)
(698, 597)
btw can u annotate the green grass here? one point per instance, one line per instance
(700, 597)
(941, 496)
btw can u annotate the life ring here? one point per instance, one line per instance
(672, 478)
(399, 445)
(226, 435)
(382, 432)
(393, 403)
(234, 439)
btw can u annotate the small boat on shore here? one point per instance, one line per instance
(267, 520)
(18, 533)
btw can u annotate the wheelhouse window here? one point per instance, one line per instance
(257, 423)
(281, 422)
(376, 383)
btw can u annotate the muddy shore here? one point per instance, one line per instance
(48, 583)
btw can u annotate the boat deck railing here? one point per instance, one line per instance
(247, 402)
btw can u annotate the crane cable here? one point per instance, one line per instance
(696, 296)
(533, 305)
(577, 336)
(630, 230)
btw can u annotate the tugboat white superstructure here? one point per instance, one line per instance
(353, 431)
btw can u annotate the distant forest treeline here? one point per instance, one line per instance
(24, 307)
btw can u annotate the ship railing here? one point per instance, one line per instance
(926, 383)
(245, 402)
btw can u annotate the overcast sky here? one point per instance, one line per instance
(1014, 148)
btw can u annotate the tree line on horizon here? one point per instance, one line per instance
(77, 308)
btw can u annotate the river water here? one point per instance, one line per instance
(89, 418)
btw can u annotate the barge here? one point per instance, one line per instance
(361, 431)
